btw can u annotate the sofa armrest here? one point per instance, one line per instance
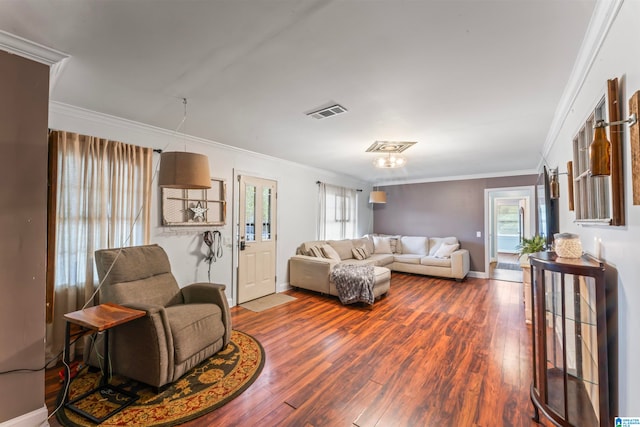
(210, 293)
(310, 272)
(460, 263)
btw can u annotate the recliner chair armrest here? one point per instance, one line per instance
(149, 335)
(204, 293)
(212, 293)
(149, 308)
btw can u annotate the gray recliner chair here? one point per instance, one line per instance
(182, 327)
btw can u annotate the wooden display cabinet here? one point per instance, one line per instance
(570, 341)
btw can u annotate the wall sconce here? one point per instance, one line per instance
(554, 185)
(600, 148)
(377, 197)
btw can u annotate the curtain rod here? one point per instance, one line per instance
(359, 190)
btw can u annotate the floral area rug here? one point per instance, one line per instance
(206, 387)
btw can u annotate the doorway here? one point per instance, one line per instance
(509, 218)
(256, 238)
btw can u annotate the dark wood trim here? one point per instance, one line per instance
(570, 184)
(634, 133)
(51, 223)
(615, 136)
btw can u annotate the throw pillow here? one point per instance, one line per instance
(446, 250)
(358, 253)
(329, 252)
(365, 251)
(436, 242)
(315, 251)
(416, 245)
(393, 244)
(381, 245)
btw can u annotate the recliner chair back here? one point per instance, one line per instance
(141, 274)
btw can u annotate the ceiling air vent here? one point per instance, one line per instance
(328, 112)
(389, 146)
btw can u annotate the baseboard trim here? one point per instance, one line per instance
(281, 287)
(39, 417)
(478, 274)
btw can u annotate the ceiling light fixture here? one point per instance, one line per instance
(390, 161)
(180, 169)
(389, 146)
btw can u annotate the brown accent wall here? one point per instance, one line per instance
(24, 98)
(440, 209)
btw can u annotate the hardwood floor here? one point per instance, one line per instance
(431, 353)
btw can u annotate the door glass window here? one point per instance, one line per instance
(250, 213)
(508, 226)
(266, 213)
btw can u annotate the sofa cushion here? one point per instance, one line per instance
(381, 259)
(329, 252)
(417, 245)
(342, 247)
(435, 262)
(394, 242)
(446, 250)
(435, 242)
(354, 261)
(407, 258)
(382, 245)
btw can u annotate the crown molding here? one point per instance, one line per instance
(30, 50)
(604, 15)
(456, 178)
(86, 115)
(36, 52)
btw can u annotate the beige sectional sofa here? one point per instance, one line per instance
(310, 268)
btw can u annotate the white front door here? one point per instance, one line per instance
(257, 238)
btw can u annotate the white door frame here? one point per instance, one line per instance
(235, 230)
(525, 192)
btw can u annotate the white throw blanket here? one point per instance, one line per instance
(354, 283)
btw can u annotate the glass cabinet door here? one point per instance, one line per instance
(555, 341)
(570, 380)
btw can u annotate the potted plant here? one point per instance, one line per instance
(529, 246)
(535, 244)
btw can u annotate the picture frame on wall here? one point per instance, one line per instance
(182, 207)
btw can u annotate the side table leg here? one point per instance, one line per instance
(107, 360)
(67, 359)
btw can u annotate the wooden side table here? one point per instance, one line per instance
(100, 318)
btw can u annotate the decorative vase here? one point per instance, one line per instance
(567, 245)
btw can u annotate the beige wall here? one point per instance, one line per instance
(24, 89)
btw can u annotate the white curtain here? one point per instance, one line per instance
(102, 200)
(337, 212)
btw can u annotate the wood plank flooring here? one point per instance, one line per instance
(431, 353)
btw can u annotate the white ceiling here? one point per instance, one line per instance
(474, 82)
